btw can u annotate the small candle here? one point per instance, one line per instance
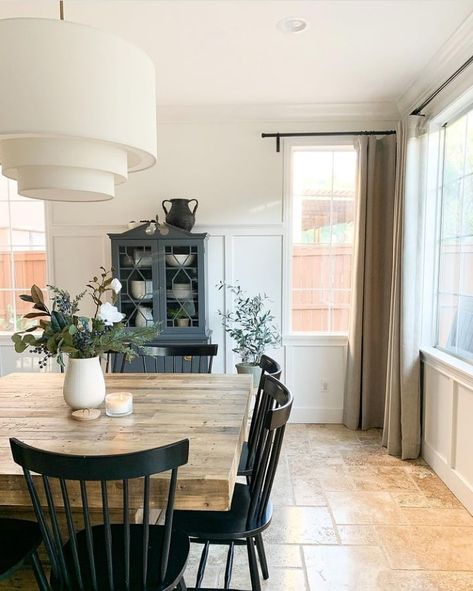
(119, 404)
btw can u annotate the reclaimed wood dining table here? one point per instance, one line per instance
(211, 410)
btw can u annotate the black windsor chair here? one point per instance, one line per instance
(118, 557)
(180, 358)
(251, 510)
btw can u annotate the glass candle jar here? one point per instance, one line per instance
(119, 404)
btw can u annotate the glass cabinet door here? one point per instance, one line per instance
(181, 264)
(139, 284)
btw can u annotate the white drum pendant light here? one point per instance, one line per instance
(77, 109)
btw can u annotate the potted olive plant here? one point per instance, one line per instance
(180, 316)
(252, 328)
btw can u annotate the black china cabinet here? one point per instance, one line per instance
(163, 271)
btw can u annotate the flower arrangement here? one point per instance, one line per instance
(63, 330)
(251, 325)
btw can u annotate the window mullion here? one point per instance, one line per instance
(461, 241)
(12, 259)
(331, 257)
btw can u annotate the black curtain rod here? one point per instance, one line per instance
(278, 136)
(418, 110)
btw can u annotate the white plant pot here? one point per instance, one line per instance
(250, 368)
(84, 384)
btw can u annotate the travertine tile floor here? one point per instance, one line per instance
(349, 517)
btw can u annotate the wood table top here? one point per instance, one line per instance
(211, 410)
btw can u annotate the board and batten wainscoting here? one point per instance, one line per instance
(252, 255)
(243, 188)
(447, 421)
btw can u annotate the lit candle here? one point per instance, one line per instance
(119, 404)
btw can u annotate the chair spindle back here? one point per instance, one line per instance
(85, 482)
(173, 359)
(269, 367)
(277, 404)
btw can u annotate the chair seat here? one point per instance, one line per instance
(243, 469)
(20, 539)
(178, 554)
(222, 525)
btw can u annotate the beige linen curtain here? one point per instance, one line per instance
(369, 326)
(402, 430)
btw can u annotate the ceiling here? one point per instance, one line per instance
(218, 52)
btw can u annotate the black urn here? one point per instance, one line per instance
(180, 214)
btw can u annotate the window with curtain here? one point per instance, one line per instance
(323, 187)
(22, 253)
(454, 297)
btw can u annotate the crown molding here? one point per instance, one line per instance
(454, 53)
(386, 111)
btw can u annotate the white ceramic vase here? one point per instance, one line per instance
(84, 384)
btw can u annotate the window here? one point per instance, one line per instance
(323, 187)
(454, 322)
(22, 253)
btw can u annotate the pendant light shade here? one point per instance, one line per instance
(77, 109)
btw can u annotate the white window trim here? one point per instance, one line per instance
(317, 142)
(455, 109)
(429, 349)
(321, 339)
(450, 366)
(5, 336)
(431, 248)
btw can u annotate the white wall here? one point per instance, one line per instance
(238, 179)
(236, 176)
(447, 433)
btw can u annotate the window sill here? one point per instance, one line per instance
(316, 338)
(452, 367)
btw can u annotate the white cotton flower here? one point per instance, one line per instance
(116, 285)
(109, 314)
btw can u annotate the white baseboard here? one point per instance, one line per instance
(316, 415)
(453, 479)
